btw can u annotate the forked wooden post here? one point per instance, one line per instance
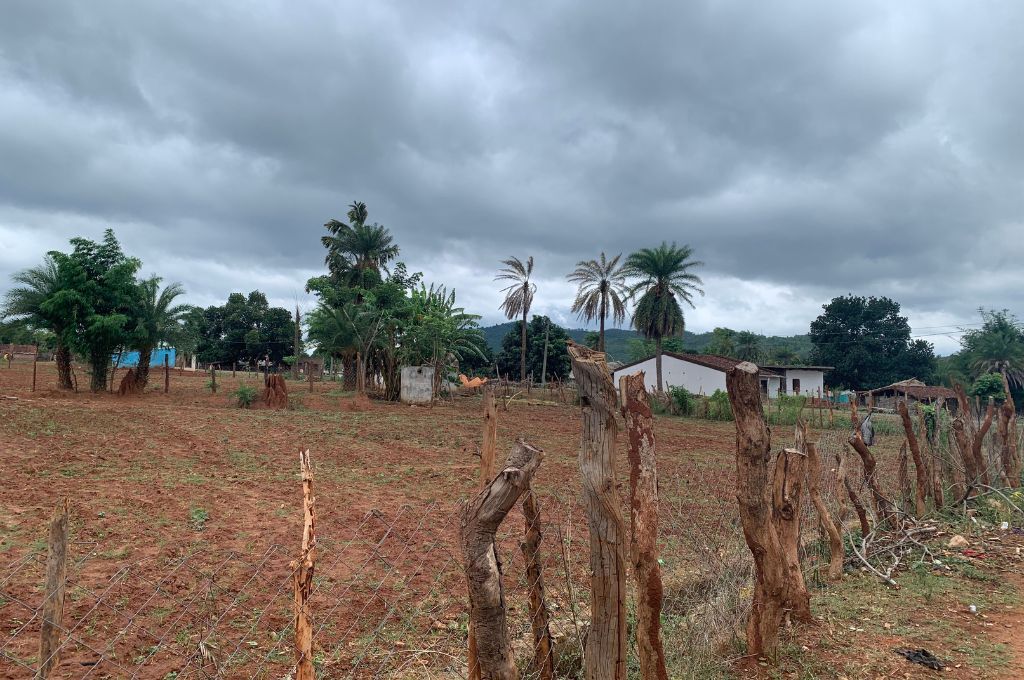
(480, 522)
(643, 506)
(53, 602)
(921, 473)
(543, 649)
(302, 572)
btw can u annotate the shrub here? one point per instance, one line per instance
(718, 406)
(683, 403)
(988, 385)
(245, 396)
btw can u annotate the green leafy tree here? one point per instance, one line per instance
(666, 278)
(868, 343)
(601, 292)
(518, 299)
(989, 385)
(246, 330)
(99, 289)
(723, 342)
(748, 346)
(558, 364)
(40, 300)
(158, 320)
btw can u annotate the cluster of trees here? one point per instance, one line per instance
(244, 331)
(375, 318)
(90, 302)
(991, 357)
(654, 280)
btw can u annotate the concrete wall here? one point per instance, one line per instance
(676, 373)
(417, 384)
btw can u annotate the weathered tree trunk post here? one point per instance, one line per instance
(915, 452)
(858, 506)
(605, 657)
(35, 358)
(167, 374)
(213, 378)
(480, 522)
(302, 571)
(903, 477)
(835, 538)
(643, 505)
(979, 439)
(884, 508)
(930, 454)
(777, 590)
(488, 462)
(53, 601)
(1007, 440)
(543, 650)
(966, 457)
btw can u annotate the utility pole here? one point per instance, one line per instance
(544, 363)
(295, 362)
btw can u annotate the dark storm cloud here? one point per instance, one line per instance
(804, 149)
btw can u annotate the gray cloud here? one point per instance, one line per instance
(804, 150)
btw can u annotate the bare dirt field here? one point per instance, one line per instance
(186, 511)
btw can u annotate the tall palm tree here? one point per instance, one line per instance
(748, 346)
(40, 285)
(357, 248)
(158, 321)
(518, 298)
(601, 289)
(665, 278)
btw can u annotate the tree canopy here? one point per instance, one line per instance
(558, 364)
(869, 344)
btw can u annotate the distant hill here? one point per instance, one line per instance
(617, 340)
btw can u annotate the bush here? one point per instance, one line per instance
(682, 402)
(244, 396)
(988, 385)
(718, 406)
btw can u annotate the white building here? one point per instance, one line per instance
(705, 373)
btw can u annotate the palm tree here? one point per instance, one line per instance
(601, 289)
(158, 321)
(356, 249)
(518, 298)
(40, 285)
(665, 279)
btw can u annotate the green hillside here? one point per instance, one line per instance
(617, 340)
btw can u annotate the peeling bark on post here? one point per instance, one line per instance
(1007, 430)
(53, 602)
(480, 522)
(302, 574)
(903, 475)
(543, 650)
(915, 452)
(835, 538)
(931, 458)
(966, 457)
(787, 493)
(774, 592)
(605, 657)
(490, 440)
(980, 464)
(883, 506)
(643, 495)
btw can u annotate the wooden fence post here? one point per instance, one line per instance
(488, 448)
(767, 503)
(643, 505)
(35, 358)
(915, 452)
(835, 537)
(213, 378)
(480, 521)
(605, 657)
(167, 375)
(302, 573)
(543, 650)
(884, 508)
(53, 602)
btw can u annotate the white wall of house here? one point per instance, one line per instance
(773, 385)
(810, 381)
(676, 373)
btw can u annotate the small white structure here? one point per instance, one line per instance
(705, 373)
(417, 384)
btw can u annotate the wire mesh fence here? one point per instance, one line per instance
(389, 593)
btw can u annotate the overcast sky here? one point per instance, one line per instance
(804, 149)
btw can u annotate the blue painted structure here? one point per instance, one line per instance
(131, 359)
